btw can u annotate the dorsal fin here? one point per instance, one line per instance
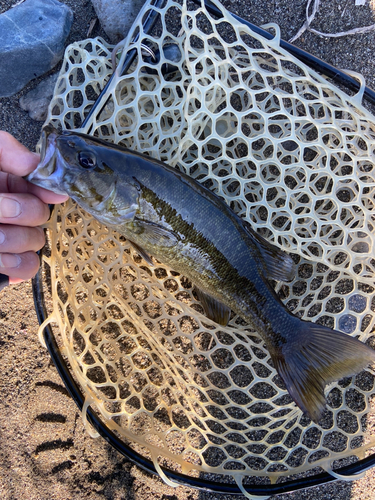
(278, 264)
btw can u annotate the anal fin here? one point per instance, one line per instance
(214, 309)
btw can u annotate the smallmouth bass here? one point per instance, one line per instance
(168, 215)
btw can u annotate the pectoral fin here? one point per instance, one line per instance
(277, 264)
(214, 309)
(155, 234)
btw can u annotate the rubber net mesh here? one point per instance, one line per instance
(291, 154)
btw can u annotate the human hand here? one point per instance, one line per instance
(23, 207)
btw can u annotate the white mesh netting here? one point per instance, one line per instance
(287, 151)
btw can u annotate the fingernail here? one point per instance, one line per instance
(2, 237)
(9, 260)
(9, 207)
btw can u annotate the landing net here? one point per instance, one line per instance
(291, 154)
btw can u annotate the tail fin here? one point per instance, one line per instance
(319, 356)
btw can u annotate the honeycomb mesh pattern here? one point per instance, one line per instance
(291, 154)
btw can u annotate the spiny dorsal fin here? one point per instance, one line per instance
(214, 309)
(319, 356)
(277, 264)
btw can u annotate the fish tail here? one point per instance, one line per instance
(317, 357)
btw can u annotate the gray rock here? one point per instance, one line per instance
(32, 37)
(117, 16)
(37, 100)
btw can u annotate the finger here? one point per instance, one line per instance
(19, 266)
(23, 210)
(14, 157)
(10, 183)
(14, 281)
(45, 195)
(20, 239)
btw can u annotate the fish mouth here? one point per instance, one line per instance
(47, 165)
(50, 170)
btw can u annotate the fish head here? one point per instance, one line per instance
(79, 166)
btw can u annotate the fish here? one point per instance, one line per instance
(167, 214)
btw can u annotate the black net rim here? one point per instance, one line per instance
(75, 392)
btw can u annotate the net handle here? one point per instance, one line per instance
(336, 75)
(148, 24)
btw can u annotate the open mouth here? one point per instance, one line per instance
(47, 164)
(48, 174)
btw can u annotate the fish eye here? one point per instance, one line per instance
(87, 159)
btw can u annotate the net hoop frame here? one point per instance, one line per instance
(355, 469)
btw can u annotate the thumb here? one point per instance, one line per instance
(14, 157)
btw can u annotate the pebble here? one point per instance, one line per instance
(37, 100)
(32, 37)
(117, 16)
